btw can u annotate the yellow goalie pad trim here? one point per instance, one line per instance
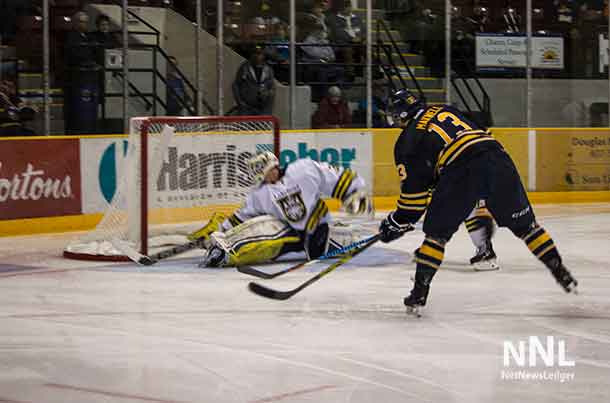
(259, 251)
(208, 228)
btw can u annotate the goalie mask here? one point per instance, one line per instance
(403, 105)
(260, 165)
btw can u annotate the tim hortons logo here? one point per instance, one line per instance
(190, 171)
(33, 185)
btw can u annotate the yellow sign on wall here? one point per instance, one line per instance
(573, 159)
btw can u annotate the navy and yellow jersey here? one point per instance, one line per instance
(435, 138)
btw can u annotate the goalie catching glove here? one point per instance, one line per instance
(390, 229)
(358, 203)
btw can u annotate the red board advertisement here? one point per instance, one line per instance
(39, 178)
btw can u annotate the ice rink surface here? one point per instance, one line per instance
(90, 332)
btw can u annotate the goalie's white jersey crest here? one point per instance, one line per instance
(293, 206)
(296, 197)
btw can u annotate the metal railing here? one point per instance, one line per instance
(389, 52)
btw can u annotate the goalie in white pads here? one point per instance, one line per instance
(285, 213)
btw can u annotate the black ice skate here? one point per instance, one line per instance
(563, 276)
(485, 259)
(417, 299)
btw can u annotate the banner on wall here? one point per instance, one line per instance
(573, 160)
(104, 162)
(39, 178)
(509, 51)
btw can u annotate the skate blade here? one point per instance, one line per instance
(414, 311)
(572, 288)
(486, 265)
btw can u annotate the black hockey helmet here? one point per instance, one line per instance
(403, 105)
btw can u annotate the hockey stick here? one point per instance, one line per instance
(283, 295)
(152, 259)
(267, 276)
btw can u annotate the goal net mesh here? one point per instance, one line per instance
(193, 168)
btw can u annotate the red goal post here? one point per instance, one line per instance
(178, 172)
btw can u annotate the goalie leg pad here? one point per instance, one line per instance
(257, 240)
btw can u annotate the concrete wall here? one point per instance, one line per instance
(555, 103)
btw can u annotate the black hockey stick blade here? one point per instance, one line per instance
(267, 276)
(270, 293)
(257, 273)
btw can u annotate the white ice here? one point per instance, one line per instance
(86, 332)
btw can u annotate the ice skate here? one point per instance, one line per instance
(216, 257)
(485, 259)
(417, 298)
(563, 276)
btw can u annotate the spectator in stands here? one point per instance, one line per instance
(278, 53)
(316, 17)
(265, 17)
(103, 37)
(333, 111)
(82, 78)
(13, 113)
(176, 97)
(418, 27)
(79, 43)
(345, 29)
(380, 105)
(254, 86)
(318, 56)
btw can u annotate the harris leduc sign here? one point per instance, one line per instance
(509, 51)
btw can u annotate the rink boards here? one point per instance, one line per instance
(47, 184)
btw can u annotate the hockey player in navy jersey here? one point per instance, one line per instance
(441, 148)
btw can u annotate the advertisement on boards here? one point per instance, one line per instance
(39, 178)
(189, 174)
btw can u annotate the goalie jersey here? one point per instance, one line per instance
(297, 197)
(436, 138)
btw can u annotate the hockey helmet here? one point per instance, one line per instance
(261, 164)
(403, 105)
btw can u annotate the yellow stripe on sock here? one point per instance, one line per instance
(430, 251)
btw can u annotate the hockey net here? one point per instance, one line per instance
(178, 172)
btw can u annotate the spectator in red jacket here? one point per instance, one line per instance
(333, 111)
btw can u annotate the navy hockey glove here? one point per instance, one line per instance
(390, 229)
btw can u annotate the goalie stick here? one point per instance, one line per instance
(266, 292)
(267, 276)
(152, 259)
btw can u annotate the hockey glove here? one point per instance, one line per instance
(390, 229)
(358, 203)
